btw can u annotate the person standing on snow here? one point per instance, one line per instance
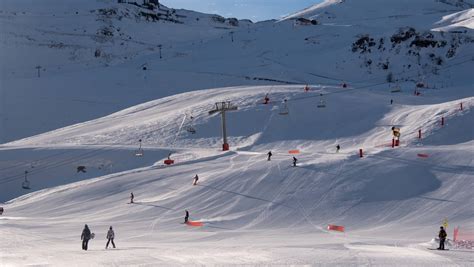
(85, 237)
(186, 217)
(338, 147)
(269, 155)
(110, 237)
(196, 179)
(442, 237)
(294, 161)
(131, 197)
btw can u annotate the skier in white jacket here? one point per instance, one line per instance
(110, 237)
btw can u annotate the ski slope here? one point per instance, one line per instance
(255, 211)
(90, 110)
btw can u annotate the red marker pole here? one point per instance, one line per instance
(461, 105)
(419, 134)
(393, 142)
(442, 121)
(361, 153)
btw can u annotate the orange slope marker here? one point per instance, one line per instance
(423, 155)
(191, 223)
(294, 151)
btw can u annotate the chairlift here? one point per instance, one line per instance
(190, 128)
(322, 102)
(284, 108)
(139, 152)
(26, 183)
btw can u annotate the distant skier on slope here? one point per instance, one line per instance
(391, 101)
(338, 147)
(196, 179)
(294, 161)
(85, 237)
(442, 237)
(186, 217)
(131, 197)
(269, 155)
(110, 237)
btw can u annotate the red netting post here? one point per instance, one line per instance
(461, 105)
(393, 142)
(361, 153)
(442, 121)
(419, 134)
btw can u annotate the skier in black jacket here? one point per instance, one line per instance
(186, 217)
(442, 237)
(269, 155)
(85, 237)
(294, 161)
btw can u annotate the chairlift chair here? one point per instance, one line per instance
(284, 108)
(322, 104)
(191, 130)
(139, 152)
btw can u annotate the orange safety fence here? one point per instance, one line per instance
(338, 228)
(423, 155)
(294, 151)
(191, 223)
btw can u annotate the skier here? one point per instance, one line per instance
(196, 179)
(131, 197)
(442, 237)
(266, 99)
(186, 217)
(85, 237)
(110, 237)
(294, 161)
(269, 155)
(391, 101)
(338, 147)
(306, 88)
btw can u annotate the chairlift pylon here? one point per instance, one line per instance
(26, 183)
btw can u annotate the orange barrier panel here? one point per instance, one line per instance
(338, 228)
(169, 161)
(295, 151)
(423, 155)
(191, 223)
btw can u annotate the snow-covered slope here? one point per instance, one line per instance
(391, 201)
(198, 53)
(259, 211)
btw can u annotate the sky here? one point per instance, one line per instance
(256, 10)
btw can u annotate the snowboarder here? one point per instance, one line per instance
(442, 237)
(110, 237)
(294, 161)
(269, 155)
(85, 237)
(131, 197)
(186, 217)
(338, 147)
(196, 179)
